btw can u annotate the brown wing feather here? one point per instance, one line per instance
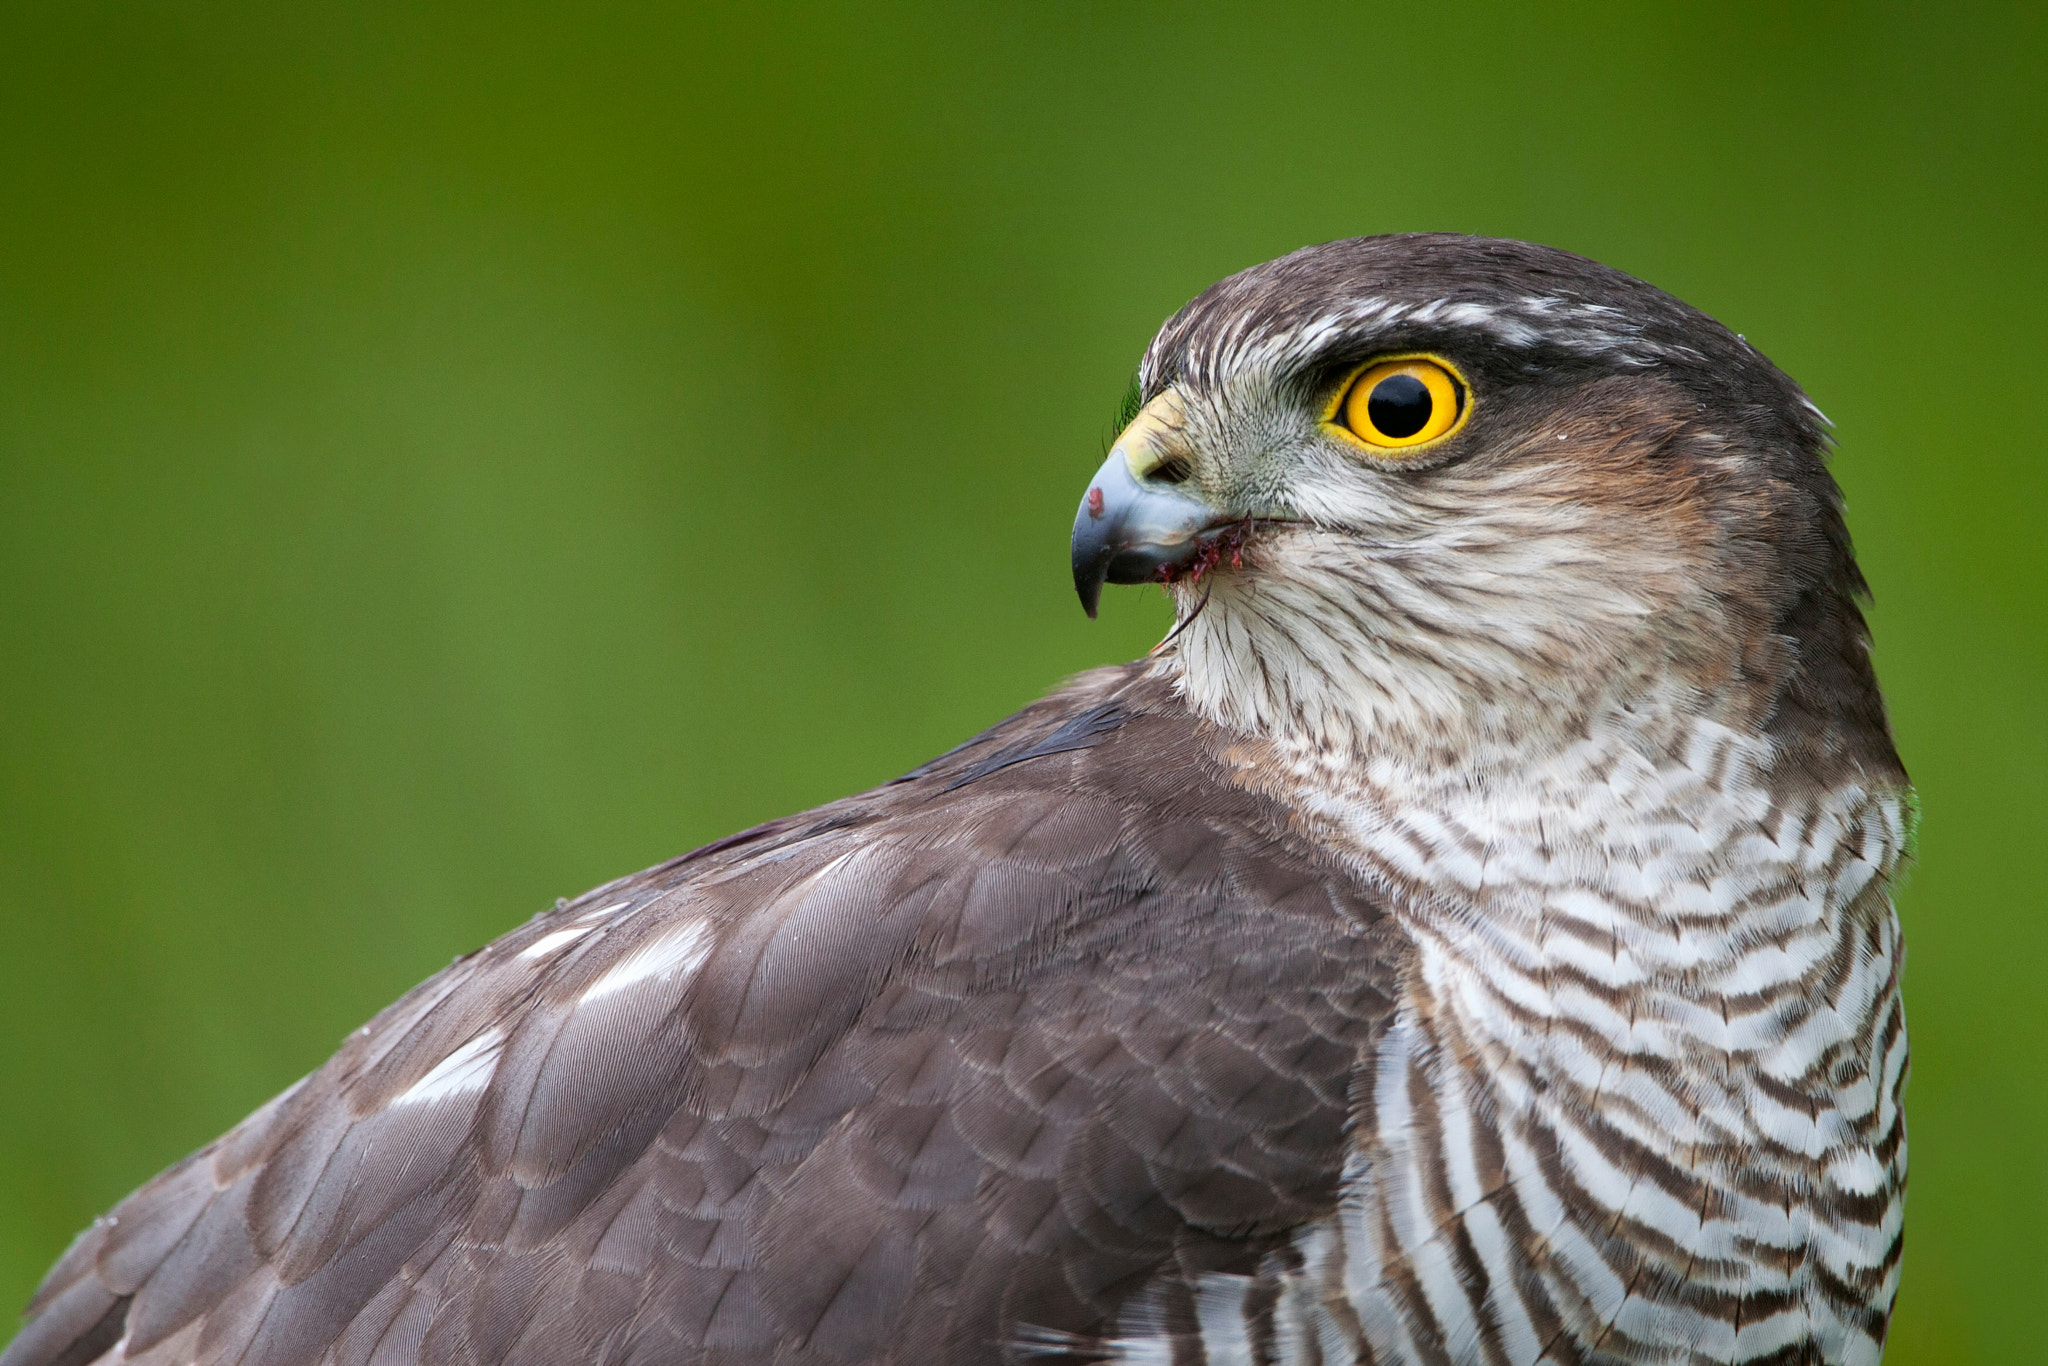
(993, 1046)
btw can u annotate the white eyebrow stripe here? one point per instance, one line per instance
(548, 943)
(467, 1069)
(677, 953)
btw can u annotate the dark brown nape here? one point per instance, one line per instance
(1782, 510)
(1788, 569)
(1830, 718)
(1750, 484)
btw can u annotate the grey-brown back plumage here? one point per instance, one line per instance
(973, 1054)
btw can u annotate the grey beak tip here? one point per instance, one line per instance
(1091, 594)
(1091, 564)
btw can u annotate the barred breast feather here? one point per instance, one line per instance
(1640, 1101)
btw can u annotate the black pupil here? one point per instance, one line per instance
(1399, 405)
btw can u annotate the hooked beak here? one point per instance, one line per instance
(1134, 527)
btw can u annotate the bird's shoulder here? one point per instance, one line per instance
(998, 1040)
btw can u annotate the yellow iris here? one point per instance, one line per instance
(1402, 402)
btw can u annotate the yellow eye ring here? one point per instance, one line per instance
(1400, 401)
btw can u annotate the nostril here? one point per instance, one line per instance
(1175, 469)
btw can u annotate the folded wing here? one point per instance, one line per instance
(1063, 1016)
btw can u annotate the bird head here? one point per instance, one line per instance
(1453, 487)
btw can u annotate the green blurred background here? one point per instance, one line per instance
(450, 458)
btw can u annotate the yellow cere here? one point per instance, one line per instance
(1152, 438)
(1400, 402)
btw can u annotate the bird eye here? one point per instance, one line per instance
(1401, 402)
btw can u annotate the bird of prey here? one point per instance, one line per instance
(1468, 938)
